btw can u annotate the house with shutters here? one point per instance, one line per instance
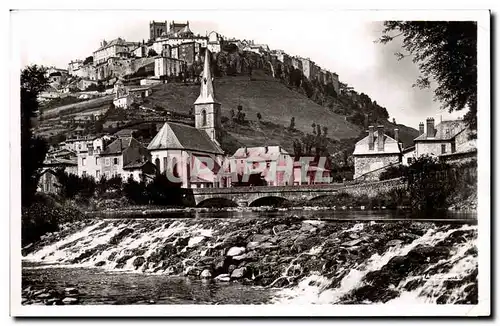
(375, 153)
(449, 140)
(124, 157)
(192, 155)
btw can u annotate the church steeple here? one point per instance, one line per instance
(207, 94)
(206, 108)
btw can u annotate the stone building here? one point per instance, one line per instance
(450, 140)
(124, 157)
(192, 155)
(117, 48)
(214, 42)
(374, 153)
(262, 160)
(156, 29)
(168, 67)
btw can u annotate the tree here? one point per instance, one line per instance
(152, 53)
(325, 131)
(88, 60)
(259, 116)
(446, 52)
(292, 124)
(33, 149)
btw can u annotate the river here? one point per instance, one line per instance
(258, 257)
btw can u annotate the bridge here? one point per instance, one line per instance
(260, 195)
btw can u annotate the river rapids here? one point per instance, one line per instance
(292, 259)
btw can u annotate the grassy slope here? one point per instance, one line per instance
(273, 100)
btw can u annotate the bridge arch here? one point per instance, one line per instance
(268, 201)
(216, 202)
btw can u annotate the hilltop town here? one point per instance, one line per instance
(133, 109)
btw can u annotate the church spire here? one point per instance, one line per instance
(207, 94)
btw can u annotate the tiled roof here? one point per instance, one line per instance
(119, 145)
(391, 146)
(259, 153)
(114, 42)
(179, 136)
(440, 130)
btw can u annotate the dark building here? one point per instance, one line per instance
(156, 29)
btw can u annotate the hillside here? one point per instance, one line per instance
(259, 94)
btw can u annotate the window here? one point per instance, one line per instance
(83, 161)
(107, 161)
(443, 149)
(453, 148)
(96, 161)
(84, 173)
(115, 161)
(203, 118)
(409, 160)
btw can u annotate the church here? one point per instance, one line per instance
(193, 155)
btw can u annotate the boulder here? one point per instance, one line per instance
(235, 251)
(223, 278)
(394, 243)
(69, 300)
(238, 273)
(71, 291)
(139, 261)
(252, 245)
(206, 274)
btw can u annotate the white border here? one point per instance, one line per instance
(284, 310)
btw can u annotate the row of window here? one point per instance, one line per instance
(107, 161)
(98, 174)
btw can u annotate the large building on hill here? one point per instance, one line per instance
(117, 48)
(375, 153)
(192, 155)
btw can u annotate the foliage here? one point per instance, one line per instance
(72, 186)
(446, 52)
(33, 149)
(135, 191)
(292, 124)
(259, 116)
(395, 171)
(42, 216)
(88, 60)
(152, 53)
(430, 186)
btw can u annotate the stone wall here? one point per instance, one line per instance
(372, 189)
(364, 164)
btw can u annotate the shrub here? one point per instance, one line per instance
(430, 184)
(394, 172)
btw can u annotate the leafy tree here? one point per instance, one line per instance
(292, 124)
(445, 51)
(88, 60)
(259, 116)
(152, 53)
(429, 184)
(33, 149)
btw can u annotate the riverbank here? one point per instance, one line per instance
(278, 253)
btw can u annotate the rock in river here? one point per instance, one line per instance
(236, 251)
(206, 274)
(239, 272)
(69, 300)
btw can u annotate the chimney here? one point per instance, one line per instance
(370, 138)
(421, 128)
(430, 127)
(380, 138)
(396, 135)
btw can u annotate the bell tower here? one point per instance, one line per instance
(206, 108)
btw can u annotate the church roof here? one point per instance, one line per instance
(179, 136)
(207, 94)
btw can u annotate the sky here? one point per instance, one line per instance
(340, 42)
